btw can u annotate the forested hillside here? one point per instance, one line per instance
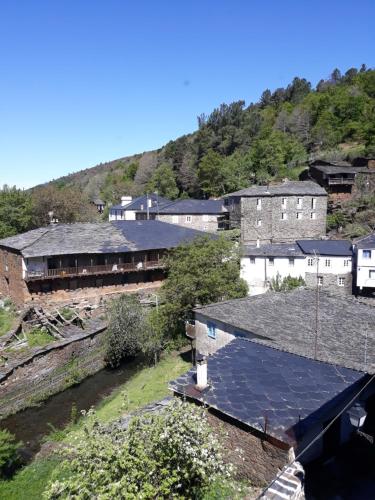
(237, 145)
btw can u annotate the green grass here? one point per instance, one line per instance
(6, 320)
(38, 338)
(30, 482)
(145, 386)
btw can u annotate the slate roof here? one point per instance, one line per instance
(346, 333)
(288, 188)
(275, 392)
(326, 247)
(274, 250)
(137, 203)
(366, 241)
(338, 170)
(105, 237)
(98, 201)
(214, 207)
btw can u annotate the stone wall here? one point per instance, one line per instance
(256, 459)
(12, 283)
(330, 283)
(207, 223)
(51, 370)
(273, 228)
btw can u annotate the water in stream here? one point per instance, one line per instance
(31, 425)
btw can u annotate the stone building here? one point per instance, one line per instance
(63, 261)
(278, 213)
(323, 263)
(275, 376)
(203, 215)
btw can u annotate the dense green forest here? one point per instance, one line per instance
(237, 145)
(233, 147)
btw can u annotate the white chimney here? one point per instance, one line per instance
(125, 200)
(149, 202)
(202, 382)
(258, 243)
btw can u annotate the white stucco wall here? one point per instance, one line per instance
(259, 273)
(365, 278)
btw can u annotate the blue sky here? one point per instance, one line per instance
(87, 81)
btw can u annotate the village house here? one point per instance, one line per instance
(99, 205)
(323, 263)
(204, 215)
(365, 263)
(274, 371)
(137, 209)
(278, 213)
(340, 179)
(70, 260)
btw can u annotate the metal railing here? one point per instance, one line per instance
(65, 272)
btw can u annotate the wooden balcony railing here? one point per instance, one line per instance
(340, 180)
(66, 272)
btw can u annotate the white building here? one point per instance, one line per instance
(130, 209)
(327, 263)
(365, 262)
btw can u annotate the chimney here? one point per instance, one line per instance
(125, 200)
(258, 243)
(202, 382)
(149, 202)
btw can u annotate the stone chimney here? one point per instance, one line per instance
(202, 380)
(125, 200)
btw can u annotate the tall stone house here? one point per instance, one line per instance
(278, 213)
(69, 261)
(323, 263)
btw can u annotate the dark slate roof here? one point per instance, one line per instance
(287, 188)
(137, 203)
(98, 201)
(335, 170)
(191, 207)
(366, 241)
(332, 163)
(275, 392)
(287, 321)
(105, 237)
(274, 250)
(326, 247)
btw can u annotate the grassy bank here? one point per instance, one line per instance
(6, 320)
(145, 386)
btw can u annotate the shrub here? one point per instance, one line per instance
(9, 456)
(169, 455)
(288, 283)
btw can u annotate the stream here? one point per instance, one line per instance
(32, 424)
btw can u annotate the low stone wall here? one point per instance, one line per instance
(50, 370)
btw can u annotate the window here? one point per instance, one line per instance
(299, 202)
(175, 219)
(259, 222)
(189, 218)
(252, 260)
(371, 274)
(327, 263)
(259, 204)
(271, 261)
(211, 330)
(284, 216)
(366, 254)
(341, 281)
(291, 261)
(310, 262)
(347, 262)
(313, 203)
(299, 215)
(313, 215)
(284, 202)
(320, 280)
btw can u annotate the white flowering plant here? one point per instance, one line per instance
(173, 454)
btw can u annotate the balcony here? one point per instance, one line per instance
(332, 181)
(68, 272)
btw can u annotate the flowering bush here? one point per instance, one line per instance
(168, 455)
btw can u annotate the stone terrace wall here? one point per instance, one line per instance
(259, 460)
(50, 370)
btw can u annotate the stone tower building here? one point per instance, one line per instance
(278, 213)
